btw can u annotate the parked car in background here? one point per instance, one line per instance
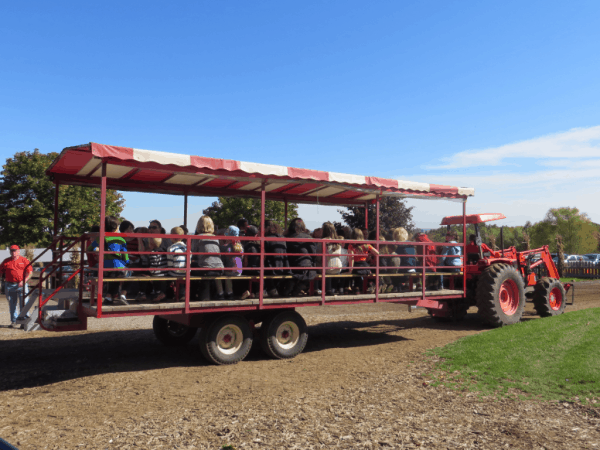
(593, 257)
(575, 258)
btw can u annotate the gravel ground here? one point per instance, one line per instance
(360, 383)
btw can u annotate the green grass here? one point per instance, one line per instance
(556, 358)
(573, 280)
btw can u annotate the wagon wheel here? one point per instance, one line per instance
(227, 340)
(172, 334)
(500, 295)
(284, 335)
(549, 297)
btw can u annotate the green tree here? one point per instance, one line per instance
(569, 223)
(393, 213)
(228, 210)
(27, 201)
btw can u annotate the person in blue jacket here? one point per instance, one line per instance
(452, 253)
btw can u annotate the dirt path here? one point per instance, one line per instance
(359, 384)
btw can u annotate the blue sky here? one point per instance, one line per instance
(502, 97)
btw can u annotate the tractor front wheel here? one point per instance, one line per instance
(549, 297)
(500, 295)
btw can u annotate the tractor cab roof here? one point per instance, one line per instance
(472, 218)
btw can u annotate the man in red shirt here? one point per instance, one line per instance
(16, 270)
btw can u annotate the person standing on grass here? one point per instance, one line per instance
(16, 270)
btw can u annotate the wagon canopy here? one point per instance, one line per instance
(131, 169)
(472, 218)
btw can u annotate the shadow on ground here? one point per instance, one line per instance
(50, 359)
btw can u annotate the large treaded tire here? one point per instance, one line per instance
(500, 295)
(172, 334)
(227, 340)
(284, 335)
(549, 297)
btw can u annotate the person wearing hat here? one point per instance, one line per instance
(16, 270)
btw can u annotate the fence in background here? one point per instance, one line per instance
(582, 269)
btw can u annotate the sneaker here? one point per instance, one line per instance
(108, 301)
(15, 325)
(390, 289)
(121, 300)
(220, 296)
(141, 298)
(273, 293)
(157, 298)
(245, 295)
(229, 296)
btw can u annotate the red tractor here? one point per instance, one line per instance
(500, 282)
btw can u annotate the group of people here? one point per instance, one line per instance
(219, 256)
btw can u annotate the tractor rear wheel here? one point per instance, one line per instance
(500, 295)
(549, 297)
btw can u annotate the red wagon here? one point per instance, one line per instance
(227, 328)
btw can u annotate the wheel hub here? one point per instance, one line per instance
(287, 335)
(229, 339)
(555, 299)
(509, 297)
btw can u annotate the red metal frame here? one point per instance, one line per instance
(437, 303)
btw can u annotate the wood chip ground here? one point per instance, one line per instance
(360, 384)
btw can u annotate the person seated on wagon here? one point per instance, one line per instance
(115, 260)
(251, 262)
(453, 254)
(231, 261)
(358, 255)
(278, 262)
(346, 283)
(207, 244)
(385, 261)
(307, 248)
(401, 235)
(92, 249)
(154, 290)
(429, 253)
(334, 262)
(242, 225)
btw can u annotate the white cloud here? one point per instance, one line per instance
(561, 169)
(575, 143)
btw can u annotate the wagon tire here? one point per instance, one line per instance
(284, 335)
(549, 297)
(171, 333)
(227, 340)
(500, 295)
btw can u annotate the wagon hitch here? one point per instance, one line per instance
(568, 287)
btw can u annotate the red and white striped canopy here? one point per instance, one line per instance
(132, 169)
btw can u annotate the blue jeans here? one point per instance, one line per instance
(14, 294)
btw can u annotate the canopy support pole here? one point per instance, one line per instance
(285, 214)
(185, 209)
(261, 284)
(101, 239)
(56, 189)
(464, 250)
(377, 246)
(367, 219)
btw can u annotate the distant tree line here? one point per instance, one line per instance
(578, 233)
